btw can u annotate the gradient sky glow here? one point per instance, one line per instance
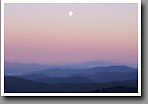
(44, 33)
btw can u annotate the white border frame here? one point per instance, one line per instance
(70, 1)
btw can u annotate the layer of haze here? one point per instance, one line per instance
(46, 34)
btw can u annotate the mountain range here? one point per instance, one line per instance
(44, 78)
(13, 68)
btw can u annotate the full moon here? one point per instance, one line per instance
(70, 13)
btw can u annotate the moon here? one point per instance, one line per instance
(70, 13)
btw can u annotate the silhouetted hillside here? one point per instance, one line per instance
(118, 89)
(15, 84)
(19, 85)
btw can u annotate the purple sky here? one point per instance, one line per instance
(44, 33)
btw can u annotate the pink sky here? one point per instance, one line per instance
(44, 33)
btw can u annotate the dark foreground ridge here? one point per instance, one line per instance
(20, 85)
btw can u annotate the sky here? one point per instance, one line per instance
(46, 34)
